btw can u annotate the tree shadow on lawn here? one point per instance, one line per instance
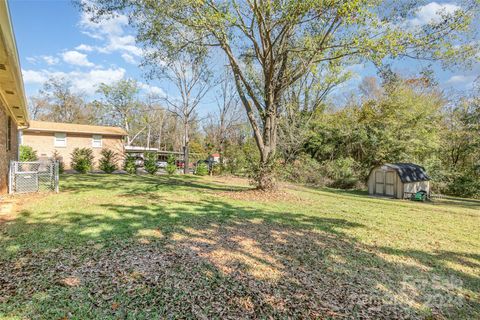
(132, 184)
(212, 259)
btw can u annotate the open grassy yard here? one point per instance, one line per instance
(142, 247)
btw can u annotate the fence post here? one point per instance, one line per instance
(10, 178)
(56, 170)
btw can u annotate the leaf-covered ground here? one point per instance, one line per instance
(142, 247)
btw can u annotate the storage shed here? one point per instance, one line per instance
(398, 180)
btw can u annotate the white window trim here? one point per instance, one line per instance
(93, 140)
(55, 140)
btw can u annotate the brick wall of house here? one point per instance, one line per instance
(6, 155)
(43, 143)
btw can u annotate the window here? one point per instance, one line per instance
(96, 141)
(9, 134)
(60, 139)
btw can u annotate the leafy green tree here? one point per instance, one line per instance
(27, 154)
(201, 169)
(82, 160)
(120, 105)
(108, 161)
(270, 45)
(150, 163)
(403, 123)
(129, 164)
(171, 167)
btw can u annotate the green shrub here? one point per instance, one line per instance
(27, 154)
(171, 167)
(304, 169)
(57, 157)
(466, 185)
(202, 169)
(344, 173)
(129, 164)
(217, 169)
(82, 160)
(150, 163)
(108, 162)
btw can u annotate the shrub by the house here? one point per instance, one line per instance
(130, 165)
(27, 154)
(82, 160)
(150, 163)
(108, 162)
(171, 167)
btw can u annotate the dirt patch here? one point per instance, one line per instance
(10, 206)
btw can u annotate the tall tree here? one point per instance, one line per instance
(221, 125)
(58, 102)
(271, 44)
(120, 105)
(191, 77)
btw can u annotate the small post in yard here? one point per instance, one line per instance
(56, 171)
(10, 178)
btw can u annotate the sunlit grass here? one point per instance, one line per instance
(262, 255)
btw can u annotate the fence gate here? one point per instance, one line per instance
(35, 176)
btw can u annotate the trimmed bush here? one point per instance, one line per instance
(150, 163)
(202, 169)
(27, 154)
(171, 167)
(82, 159)
(57, 157)
(108, 162)
(130, 165)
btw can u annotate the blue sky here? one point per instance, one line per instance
(55, 39)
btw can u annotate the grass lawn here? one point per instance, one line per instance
(142, 247)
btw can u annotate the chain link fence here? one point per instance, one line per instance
(26, 177)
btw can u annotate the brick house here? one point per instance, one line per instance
(13, 111)
(48, 137)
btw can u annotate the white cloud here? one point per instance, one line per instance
(129, 58)
(84, 47)
(461, 79)
(50, 60)
(432, 13)
(88, 82)
(84, 82)
(152, 89)
(34, 77)
(112, 31)
(76, 58)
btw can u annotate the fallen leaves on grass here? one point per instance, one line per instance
(262, 195)
(229, 270)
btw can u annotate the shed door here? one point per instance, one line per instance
(379, 182)
(390, 183)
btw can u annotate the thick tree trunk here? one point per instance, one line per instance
(265, 175)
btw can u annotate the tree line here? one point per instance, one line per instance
(283, 59)
(392, 119)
